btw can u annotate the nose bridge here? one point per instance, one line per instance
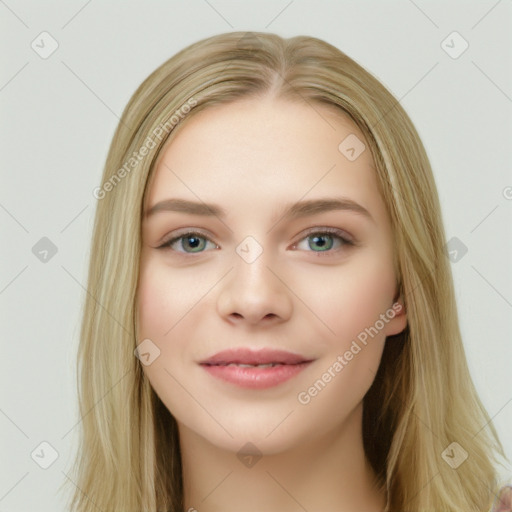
(252, 290)
(252, 264)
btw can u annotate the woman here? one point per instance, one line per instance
(265, 376)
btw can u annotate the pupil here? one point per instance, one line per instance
(322, 244)
(195, 241)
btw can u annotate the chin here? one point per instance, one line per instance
(248, 434)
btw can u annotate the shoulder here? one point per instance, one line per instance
(503, 502)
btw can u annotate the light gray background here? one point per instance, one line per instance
(58, 118)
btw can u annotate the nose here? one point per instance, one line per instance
(255, 293)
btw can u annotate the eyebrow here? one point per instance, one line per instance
(290, 211)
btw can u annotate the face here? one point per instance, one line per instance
(316, 282)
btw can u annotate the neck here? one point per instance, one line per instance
(328, 472)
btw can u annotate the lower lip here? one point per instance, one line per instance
(256, 378)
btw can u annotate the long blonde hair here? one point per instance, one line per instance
(423, 398)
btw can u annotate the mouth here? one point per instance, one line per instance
(255, 369)
(248, 357)
(245, 365)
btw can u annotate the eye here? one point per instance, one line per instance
(190, 239)
(324, 239)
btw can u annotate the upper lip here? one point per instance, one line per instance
(250, 356)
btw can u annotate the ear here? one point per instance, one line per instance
(397, 317)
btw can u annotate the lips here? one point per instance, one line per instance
(246, 357)
(255, 369)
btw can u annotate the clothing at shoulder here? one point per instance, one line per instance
(503, 502)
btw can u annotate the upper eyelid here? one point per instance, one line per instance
(329, 230)
(181, 234)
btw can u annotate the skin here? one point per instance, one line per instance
(252, 157)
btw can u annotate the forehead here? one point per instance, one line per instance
(268, 148)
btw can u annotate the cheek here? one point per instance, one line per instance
(164, 297)
(169, 301)
(351, 305)
(154, 306)
(160, 308)
(354, 298)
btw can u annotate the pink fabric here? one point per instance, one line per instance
(503, 502)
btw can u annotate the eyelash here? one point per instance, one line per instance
(314, 231)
